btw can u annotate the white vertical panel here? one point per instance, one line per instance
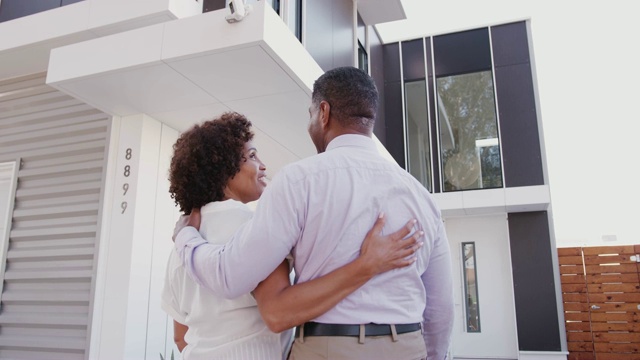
(498, 337)
(166, 214)
(142, 239)
(128, 322)
(117, 270)
(46, 298)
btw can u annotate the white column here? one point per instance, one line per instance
(127, 271)
(159, 325)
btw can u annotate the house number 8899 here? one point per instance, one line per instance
(127, 172)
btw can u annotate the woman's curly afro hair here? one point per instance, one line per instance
(205, 157)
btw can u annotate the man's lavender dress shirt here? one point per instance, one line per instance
(320, 210)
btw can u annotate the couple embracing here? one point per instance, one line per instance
(360, 292)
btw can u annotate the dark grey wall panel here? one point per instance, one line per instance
(362, 31)
(391, 62)
(343, 49)
(519, 132)
(13, 9)
(393, 117)
(394, 121)
(462, 52)
(318, 34)
(427, 44)
(510, 44)
(329, 32)
(413, 65)
(69, 2)
(377, 73)
(533, 282)
(518, 126)
(212, 5)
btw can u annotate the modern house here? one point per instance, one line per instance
(94, 93)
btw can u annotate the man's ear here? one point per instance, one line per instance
(325, 111)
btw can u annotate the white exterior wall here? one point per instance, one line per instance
(128, 322)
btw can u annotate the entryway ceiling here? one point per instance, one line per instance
(189, 70)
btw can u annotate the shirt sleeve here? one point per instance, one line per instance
(254, 251)
(439, 311)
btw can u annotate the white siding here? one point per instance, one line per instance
(47, 294)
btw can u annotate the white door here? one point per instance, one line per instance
(488, 331)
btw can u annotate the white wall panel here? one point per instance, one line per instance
(166, 214)
(128, 322)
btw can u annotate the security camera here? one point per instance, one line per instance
(238, 10)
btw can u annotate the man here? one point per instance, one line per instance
(319, 210)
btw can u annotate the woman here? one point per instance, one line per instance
(215, 167)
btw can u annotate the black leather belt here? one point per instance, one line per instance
(318, 329)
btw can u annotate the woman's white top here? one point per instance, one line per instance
(219, 328)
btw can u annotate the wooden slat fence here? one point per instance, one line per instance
(601, 296)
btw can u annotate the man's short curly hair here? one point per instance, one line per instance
(205, 157)
(352, 94)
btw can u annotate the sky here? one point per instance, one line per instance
(587, 69)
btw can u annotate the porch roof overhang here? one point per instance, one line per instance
(494, 201)
(25, 50)
(189, 70)
(375, 11)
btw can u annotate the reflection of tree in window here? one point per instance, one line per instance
(468, 131)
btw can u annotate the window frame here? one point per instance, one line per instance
(466, 288)
(10, 168)
(429, 142)
(440, 107)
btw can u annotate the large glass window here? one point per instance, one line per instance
(363, 58)
(291, 13)
(470, 287)
(295, 12)
(469, 144)
(417, 120)
(275, 4)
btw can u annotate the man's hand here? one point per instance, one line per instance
(180, 224)
(187, 220)
(384, 253)
(195, 218)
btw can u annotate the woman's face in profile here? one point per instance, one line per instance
(249, 183)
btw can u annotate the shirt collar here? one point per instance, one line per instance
(352, 140)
